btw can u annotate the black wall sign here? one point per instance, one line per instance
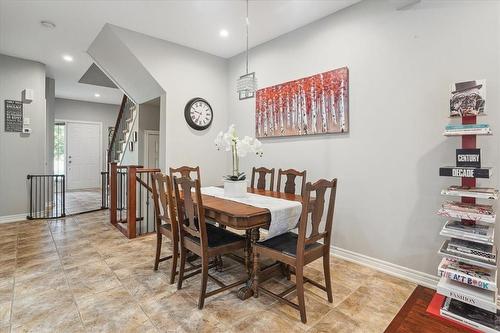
(13, 116)
(469, 158)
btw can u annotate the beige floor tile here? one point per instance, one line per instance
(90, 278)
(34, 307)
(178, 312)
(112, 311)
(336, 322)
(266, 321)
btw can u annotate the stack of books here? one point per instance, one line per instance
(467, 291)
(472, 129)
(465, 211)
(479, 233)
(472, 192)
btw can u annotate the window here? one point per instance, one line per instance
(59, 148)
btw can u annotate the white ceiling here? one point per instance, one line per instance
(195, 24)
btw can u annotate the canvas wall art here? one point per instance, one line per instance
(467, 98)
(317, 104)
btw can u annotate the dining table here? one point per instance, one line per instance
(251, 219)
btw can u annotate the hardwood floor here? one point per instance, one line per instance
(413, 317)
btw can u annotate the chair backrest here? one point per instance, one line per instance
(163, 200)
(319, 189)
(261, 181)
(190, 212)
(185, 171)
(291, 175)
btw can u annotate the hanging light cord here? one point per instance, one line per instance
(247, 24)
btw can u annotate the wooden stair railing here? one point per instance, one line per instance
(132, 196)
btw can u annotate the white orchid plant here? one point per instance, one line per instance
(229, 141)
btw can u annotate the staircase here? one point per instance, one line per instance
(123, 133)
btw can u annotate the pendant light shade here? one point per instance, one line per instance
(247, 84)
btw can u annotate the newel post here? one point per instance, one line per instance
(131, 201)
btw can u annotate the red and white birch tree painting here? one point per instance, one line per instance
(313, 105)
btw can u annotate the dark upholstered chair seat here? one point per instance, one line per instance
(286, 243)
(217, 236)
(166, 226)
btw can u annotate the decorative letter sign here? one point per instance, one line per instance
(13, 116)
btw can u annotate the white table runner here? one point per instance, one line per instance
(285, 214)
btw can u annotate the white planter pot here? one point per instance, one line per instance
(235, 189)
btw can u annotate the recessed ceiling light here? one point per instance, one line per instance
(67, 58)
(48, 24)
(97, 95)
(223, 33)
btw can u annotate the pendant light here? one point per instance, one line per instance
(247, 84)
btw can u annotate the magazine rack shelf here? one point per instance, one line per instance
(467, 293)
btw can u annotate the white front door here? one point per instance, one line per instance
(83, 149)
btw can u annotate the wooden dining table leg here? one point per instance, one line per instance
(247, 291)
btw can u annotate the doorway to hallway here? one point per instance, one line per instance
(78, 155)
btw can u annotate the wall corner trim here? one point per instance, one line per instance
(13, 218)
(409, 274)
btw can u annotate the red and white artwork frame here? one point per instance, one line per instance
(318, 104)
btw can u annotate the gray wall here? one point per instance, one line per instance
(67, 109)
(401, 64)
(21, 155)
(50, 98)
(149, 119)
(184, 73)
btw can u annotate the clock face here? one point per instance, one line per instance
(198, 114)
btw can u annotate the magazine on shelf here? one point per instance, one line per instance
(478, 131)
(464, 257)
(465, 126)
(471, 316)
(481, 298)
(467, 98)
(476, 232)
(473, 192)
(468, 207)
(466, 172)
(473, 249)
(468, 274)
(466, 211)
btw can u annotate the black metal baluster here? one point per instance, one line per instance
(63, 212)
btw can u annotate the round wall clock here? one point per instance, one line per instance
(198, 114)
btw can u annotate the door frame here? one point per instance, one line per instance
(66, 121)
(146, 146)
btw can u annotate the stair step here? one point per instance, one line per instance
(128, 120)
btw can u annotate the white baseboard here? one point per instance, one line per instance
(12, 218)
(409, 274)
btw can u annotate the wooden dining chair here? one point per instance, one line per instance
(185, 171)
(298, 250)
(291, 176)
(166, 220)
(261, 181)
(204, 239)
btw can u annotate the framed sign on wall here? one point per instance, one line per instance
(13, 116)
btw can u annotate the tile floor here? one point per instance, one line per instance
(78, 201)
(81, 275)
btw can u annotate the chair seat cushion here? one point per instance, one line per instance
(286, 243)
(218, 236)
(167, 227)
